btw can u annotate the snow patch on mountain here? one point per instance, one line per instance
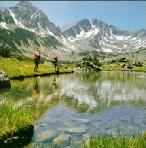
(105, 44)
(83, 34)
(69, 46)
(106, 49)
(3, 25)
(42, 33)
(18, 23)
(49, 32)
(120, 37)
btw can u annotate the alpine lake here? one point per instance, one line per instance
(73, 107)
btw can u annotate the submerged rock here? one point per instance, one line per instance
(47, 135)
(62, 140)
(76, 130)
(4, 80)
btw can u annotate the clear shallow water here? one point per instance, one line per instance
(108, 103)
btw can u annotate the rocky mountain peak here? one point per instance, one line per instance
(27, 16)
(24, 4)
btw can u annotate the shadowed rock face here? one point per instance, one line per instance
(4, 80)
(5, 16)
(36, 20)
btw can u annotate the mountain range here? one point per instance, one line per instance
(26, 28)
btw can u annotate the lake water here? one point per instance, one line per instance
(105, 103)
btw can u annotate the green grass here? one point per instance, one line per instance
(117, 66)
(15, 67)
(13, 117)
(116, 142)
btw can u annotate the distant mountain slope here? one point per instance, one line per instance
(25, 28)
(21, 40)
(97, 35)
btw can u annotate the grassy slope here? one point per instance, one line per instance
(14, 67)
(117, 66)
(139, 55)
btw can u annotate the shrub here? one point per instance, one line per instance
(4, 51)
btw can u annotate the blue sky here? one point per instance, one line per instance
(129, 15)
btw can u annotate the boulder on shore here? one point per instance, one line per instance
(4, 80)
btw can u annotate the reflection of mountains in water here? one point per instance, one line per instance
(91, 96)
(84, 93)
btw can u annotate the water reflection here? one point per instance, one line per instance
(116, 99)
(35, 90)
(81, 91)
(103, 91)
(99, 103)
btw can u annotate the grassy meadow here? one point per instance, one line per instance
(117, 66)
(15, 67)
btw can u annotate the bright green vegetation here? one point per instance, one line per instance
(90, 63)
(116, 65)
(131, 58)
(13, 117)
(22, 105)
(118, 142)
(134, 61)
(15, 67)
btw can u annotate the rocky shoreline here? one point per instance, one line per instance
(4, 80)
(125, 70)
